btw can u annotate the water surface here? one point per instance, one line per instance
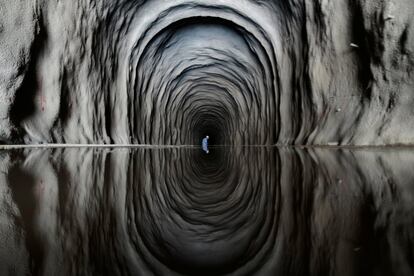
(179, 211)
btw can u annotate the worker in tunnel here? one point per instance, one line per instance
(204, 144)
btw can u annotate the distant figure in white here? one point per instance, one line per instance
(204, 144)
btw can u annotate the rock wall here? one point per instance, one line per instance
(244, 72)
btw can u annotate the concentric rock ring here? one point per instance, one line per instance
(198, 76)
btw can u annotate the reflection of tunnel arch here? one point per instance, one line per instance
(195, 215)
(247, 117)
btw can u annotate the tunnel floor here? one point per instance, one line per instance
(180, 211)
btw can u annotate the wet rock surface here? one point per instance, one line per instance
(179, 211)
(168, 72)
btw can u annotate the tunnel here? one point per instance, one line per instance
(169, 73)
(105, 109)
(202, 76)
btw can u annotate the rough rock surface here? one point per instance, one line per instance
(169, 72)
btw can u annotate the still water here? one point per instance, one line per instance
(179, 211)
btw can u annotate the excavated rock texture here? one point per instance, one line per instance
(243, 72)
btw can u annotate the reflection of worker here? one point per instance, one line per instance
(204, 144)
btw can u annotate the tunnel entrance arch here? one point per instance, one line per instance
(221, 69)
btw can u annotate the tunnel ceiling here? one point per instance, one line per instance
(242, 72)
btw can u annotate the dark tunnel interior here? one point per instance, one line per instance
(203, 76)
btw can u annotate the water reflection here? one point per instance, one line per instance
(236, 211)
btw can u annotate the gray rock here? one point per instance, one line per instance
(170, 72)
